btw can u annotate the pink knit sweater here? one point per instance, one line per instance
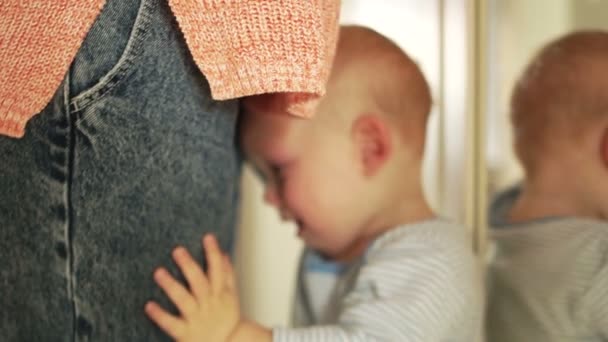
(278, 46)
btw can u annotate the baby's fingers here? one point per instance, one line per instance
(229, 273)
(193, 273)
(215, 262)
(170, 324)
(176, 292)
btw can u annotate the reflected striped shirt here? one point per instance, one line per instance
(548, 279)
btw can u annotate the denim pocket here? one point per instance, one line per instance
(125, 64)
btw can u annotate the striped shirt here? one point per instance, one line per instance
(549, 278)
(416, 282)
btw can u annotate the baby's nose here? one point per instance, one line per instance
(271, 197)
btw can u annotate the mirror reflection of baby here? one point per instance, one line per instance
(549, 281)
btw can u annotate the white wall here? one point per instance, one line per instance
(267, 251)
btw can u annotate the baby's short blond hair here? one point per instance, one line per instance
(562, 94)
(389, 77)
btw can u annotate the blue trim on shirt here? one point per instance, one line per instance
(313, 262)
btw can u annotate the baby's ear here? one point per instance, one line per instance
(372, 138)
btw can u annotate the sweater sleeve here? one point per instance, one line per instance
(248, 47)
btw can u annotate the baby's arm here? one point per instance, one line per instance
(209, 310)
(404, 295)
(404, 292)
(417, 285)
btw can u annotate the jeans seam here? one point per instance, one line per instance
(123, 67)
(68, 202)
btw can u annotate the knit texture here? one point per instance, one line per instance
(38, 40)
(242, 47)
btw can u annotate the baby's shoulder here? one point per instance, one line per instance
(437, 251)
(430, 239)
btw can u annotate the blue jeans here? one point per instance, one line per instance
(129, 159)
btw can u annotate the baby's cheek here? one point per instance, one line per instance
(302, 205)
(296, 189)
(293, 198)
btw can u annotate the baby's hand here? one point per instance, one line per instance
(210, 309)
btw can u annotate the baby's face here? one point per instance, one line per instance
(311, 176)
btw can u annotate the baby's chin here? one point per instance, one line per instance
(304, 232)
(317, 243)
(308, 233)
